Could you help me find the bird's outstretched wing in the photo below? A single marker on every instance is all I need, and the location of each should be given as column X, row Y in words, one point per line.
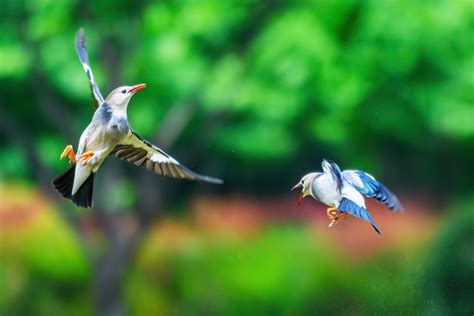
column 139, row 151
column 368, row 185
column 332, row 169
column 82, row 52
column 348, row 206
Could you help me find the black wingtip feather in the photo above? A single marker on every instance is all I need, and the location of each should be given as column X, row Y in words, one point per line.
column 389, row 199
column 199, row 177
column 63, row 183
column 210, row 180
column 83, row 196
column 376, row 229
column 348, row 206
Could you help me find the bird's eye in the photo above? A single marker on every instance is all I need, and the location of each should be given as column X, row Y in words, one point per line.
column 302, row 182
column 124, row 91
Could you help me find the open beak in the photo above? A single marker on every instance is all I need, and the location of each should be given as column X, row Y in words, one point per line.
column 137, row 87
column 298, row 186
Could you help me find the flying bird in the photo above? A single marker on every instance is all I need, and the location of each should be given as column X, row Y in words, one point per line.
column 344, row 192
column 109, row 133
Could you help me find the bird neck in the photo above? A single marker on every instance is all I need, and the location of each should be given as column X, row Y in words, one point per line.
column 119, row 110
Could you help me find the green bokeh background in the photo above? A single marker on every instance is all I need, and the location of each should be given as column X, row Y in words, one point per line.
column 257, row 93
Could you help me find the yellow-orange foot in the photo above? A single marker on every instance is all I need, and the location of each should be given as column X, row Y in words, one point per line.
column 86, row 157
column 334, row 216
column 69, row 151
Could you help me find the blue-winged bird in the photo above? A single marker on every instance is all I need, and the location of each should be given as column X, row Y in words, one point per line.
column 109, row 133
column 343, row 192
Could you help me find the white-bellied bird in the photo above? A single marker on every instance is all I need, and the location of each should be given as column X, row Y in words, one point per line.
column 109, row 133
column 344, row 192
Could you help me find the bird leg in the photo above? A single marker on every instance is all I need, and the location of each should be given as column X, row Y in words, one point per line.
column 334, row 215
column 86, row 157
column 69, row 151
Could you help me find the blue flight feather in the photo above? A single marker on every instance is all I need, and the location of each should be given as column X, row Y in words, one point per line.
column 372, row 188
column 348, row 206
column 336, row 169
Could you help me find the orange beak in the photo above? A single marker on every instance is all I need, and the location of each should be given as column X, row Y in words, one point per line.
column 298, row 186
column 137, row 87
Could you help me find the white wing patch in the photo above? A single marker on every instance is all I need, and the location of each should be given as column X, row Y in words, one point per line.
column 352, row 177
column 349, row 192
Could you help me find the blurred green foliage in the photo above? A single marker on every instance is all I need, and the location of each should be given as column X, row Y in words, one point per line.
column 281, row 270
column 448, row 281
column 386, row 86
column 43, row 270
column 368, row 83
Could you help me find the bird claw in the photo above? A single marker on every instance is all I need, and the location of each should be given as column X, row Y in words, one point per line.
column 334, row 216
column 86, row 157
column 69, row 151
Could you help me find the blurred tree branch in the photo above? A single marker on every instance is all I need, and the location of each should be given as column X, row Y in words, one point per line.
column 174, row 122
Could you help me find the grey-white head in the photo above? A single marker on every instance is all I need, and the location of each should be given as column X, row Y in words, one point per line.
column 120, row 96
column 305, row 185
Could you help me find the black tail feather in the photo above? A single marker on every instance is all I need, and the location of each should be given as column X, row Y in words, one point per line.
column 83, row 196
column 63, row 183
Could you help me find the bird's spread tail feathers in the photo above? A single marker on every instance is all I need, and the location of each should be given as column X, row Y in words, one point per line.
column 63, row 184
column 83, row 196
